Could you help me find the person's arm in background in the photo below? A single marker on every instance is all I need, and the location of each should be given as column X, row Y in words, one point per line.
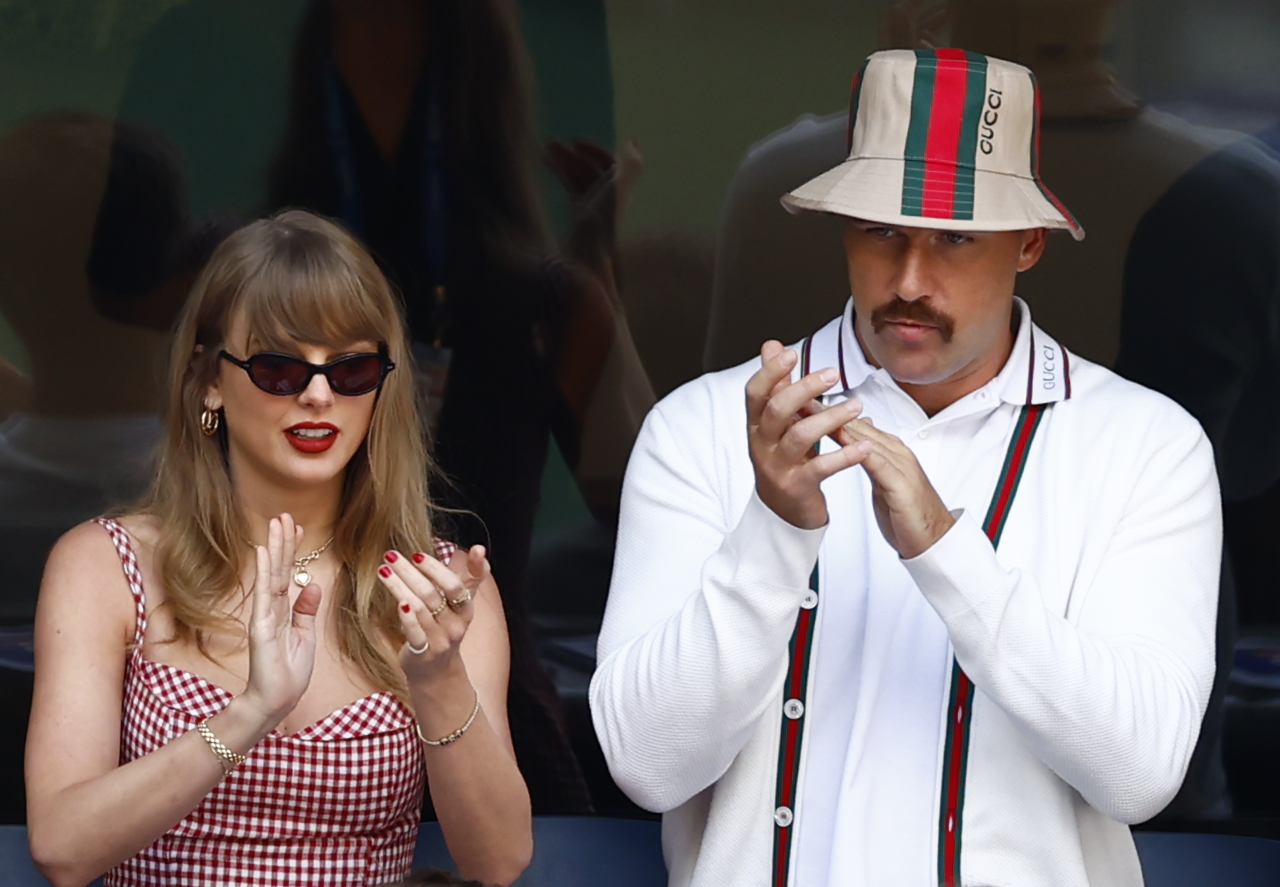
column 1201, row 312
column 597, row 370
column 776, row 274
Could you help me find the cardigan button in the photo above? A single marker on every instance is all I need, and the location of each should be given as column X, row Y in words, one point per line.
column 809, row 601
column 782, row 816
column 793, row 708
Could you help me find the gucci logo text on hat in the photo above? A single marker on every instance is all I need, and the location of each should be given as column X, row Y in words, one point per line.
column 989, row 117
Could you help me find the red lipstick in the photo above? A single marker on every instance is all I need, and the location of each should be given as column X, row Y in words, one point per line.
column 311, row 437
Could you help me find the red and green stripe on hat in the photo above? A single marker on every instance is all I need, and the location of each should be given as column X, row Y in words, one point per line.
column 947, row 99
column 940, row 134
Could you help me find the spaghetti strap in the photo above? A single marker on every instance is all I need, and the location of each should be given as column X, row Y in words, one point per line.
column 129, row 563
column 445, row 550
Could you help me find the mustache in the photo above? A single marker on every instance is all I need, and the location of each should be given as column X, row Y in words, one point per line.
column 918, row 311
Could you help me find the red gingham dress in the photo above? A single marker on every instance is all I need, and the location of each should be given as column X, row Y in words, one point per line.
column 337, row 803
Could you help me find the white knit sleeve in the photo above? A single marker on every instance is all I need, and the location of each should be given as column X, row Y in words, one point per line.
column 1112, row 698
column 701, row 607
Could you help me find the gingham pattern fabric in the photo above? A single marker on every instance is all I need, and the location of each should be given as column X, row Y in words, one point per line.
column 941, row 134
column 337, row 803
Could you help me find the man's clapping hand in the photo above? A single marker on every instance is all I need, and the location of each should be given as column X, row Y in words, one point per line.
column 908, row 509
column 784, row 424
column 785, row 421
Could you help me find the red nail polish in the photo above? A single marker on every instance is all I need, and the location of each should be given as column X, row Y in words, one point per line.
column 384, row 572
column 419, row 557
column 391, row 557
column 404, row 608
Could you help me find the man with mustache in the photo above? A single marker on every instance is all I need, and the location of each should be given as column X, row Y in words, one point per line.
column 935, row 604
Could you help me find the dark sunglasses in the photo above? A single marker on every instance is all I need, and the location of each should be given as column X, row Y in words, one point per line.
column 285, row 374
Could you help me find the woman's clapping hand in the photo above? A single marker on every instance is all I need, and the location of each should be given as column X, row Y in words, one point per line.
column 282, row 635
column 436, row 606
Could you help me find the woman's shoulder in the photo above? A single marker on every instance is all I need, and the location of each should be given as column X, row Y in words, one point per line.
column 88, row 541
column 96, row 545
column 94, row 539
column 84, row 578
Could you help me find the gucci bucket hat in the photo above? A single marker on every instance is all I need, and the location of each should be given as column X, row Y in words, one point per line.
column 941, row 138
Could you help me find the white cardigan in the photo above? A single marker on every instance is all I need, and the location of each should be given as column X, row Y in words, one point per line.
column 1089, row 635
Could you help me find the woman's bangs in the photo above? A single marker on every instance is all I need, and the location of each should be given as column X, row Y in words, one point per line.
column 285, row 306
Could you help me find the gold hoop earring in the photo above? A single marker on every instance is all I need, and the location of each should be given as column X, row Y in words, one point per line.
column 209, row 421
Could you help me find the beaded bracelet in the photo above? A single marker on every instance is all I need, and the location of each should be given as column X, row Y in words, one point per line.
column 225, row 755
column 456, row 734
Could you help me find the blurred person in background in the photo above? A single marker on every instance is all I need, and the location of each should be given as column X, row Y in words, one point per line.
column 223, row 79
column 290, row 652
column 411, row 121
column 83, row 439
column 95, row 261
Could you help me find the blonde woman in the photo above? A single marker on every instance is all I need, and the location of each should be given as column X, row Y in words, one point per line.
column 288, row 653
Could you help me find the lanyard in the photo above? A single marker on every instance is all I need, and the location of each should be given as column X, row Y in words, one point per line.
column 435, row 195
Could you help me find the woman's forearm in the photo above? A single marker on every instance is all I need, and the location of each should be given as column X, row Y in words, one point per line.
column 82, row 830
column 479, row 795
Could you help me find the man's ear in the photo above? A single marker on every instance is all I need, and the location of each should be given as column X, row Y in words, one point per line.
column 1033, row 244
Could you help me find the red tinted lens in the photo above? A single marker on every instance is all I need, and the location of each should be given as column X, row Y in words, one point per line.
column 357, row 374
column 279, row 373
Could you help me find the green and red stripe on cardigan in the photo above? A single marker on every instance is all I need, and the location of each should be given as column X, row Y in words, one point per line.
column 960, row 703
column 796, row 687
column 960, row 706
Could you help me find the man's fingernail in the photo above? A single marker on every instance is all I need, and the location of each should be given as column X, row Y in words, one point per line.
column 829, row 375
column 391, row 557
column 853, row 405
column 419, row 557
column 384, row 572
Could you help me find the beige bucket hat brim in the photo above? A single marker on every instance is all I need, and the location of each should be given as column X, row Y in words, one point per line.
column 941, row 138
column 870, row 188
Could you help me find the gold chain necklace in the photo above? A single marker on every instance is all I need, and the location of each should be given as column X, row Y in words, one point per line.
column 301, row 576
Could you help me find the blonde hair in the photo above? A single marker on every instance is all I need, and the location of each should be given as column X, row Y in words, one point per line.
column 293, row 278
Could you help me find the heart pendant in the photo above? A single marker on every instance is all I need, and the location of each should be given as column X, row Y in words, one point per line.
column 302, row 578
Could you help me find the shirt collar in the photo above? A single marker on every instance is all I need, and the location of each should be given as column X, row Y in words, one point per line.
column 1038, row 369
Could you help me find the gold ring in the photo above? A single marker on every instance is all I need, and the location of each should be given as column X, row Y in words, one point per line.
column 438, row 610
column 461, row 601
